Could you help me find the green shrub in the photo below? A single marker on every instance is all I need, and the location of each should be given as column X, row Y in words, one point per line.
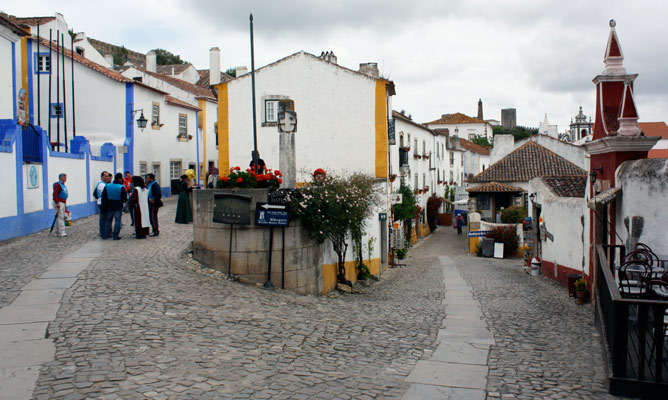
column 513, row 215
column 401, row 253
column 364, row 272
column 507, row 236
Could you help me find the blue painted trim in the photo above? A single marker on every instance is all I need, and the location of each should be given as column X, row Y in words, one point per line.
column 46, row 148
column 197, row 145
column 14, row 92
column 128, row 161
column 36, row 71
column 8, row 135
column 25, row 224
column 31, row 108
column 52, row 108
column 88, row 191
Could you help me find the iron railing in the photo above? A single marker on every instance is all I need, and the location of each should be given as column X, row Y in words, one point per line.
column 633, row 334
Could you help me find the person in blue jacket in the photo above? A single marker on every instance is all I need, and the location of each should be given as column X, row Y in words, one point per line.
column 154, row 202
column 114, row 196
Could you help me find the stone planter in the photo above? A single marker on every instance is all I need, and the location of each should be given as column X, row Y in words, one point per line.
column 250, row 246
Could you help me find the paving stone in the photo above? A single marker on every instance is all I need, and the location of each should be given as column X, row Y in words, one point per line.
column 430, row 392
column 449, row 374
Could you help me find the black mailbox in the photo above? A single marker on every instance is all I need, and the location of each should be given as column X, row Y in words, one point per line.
column 232, row 209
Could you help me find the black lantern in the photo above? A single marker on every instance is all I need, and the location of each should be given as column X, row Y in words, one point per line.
column 141, row 121
column 592, row 176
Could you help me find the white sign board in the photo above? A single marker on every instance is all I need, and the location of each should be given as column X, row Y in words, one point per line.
column 398, row 237
column 498, row 250
column 396, row 198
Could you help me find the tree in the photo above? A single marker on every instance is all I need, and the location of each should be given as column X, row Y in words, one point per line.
column 164, row 57
column 406, row 210
column 120, row 55
column 231, row 72
column 481, row 141
column 336, row 208
column 519, row 132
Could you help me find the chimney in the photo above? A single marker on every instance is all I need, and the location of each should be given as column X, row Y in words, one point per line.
column 480, row 109
column 241, row 71
column 214, row 66
column 110, row 59
column 329, row 56
column 369, row 69
column 151, row 61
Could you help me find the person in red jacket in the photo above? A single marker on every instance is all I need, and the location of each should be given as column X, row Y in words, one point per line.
column 60, row 203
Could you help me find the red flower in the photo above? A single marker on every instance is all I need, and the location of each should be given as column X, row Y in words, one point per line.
column 278, row 173
column 259, row 178
column 237, row 168
column 225, row 178
column 239, row 180
column 280, row 180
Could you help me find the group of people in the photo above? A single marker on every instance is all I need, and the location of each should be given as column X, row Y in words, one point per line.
column 143, row 198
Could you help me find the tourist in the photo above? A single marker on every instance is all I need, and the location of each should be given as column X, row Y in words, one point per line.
column 113, row 198
column 139, row 207
column 184, row 213
column 154, row 202
column 261, row 167
column 60, row 204
column 105, row 177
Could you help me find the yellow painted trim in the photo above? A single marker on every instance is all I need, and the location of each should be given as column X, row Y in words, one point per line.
column 201, row 103
column 223, row 130
column 329, row 272
column 24, row 72
column 381, row 129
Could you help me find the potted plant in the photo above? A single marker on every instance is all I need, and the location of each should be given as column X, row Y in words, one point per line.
column 401, row 253
column 407, row 148
column 581, row 291
column 393, row 177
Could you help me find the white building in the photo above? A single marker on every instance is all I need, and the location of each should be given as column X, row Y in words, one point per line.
column 462, row 125
column 544, row 128
column 342, row 125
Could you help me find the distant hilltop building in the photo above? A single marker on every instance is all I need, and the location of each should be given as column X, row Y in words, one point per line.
column 508, row 118
column 544, row 128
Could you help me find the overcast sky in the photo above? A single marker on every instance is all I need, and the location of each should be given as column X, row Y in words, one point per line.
column 538, row 56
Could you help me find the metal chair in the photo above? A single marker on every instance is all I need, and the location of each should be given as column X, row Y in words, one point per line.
column 634, row 277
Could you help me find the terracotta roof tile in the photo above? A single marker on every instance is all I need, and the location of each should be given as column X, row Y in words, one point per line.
column 204, row 78
column 476, row 148
column 186, row 86
column 176, row 102
column 567, row 186
column 654, row 129
column 31, row 21
column 456, row 118
column 526, row 162
column 660, row 153
column 495, row 187
column 13, row 26
column 402, row 117
column 177, row 68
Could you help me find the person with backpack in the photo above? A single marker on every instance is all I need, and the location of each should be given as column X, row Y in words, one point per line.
column 113, row 198
column 105, row 178
column 60, row 195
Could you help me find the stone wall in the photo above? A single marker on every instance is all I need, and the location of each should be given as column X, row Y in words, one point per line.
column 250, row 246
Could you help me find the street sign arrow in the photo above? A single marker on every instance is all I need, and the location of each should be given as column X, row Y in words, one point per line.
column 272, row 206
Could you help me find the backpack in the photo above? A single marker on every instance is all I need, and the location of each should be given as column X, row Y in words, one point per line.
column 95, row 194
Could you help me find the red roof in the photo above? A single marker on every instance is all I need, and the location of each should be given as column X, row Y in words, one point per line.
column 198, row 91
column 31, row 21
column 495, row 187
column 528, row 161
column 456, row 118
column 654, row 129
column 476, row 148
column 180, row 103
column 13, row 26
column 661, row 153
column 567, row 186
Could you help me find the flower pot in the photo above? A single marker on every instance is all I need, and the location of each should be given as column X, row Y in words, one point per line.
column 581, row 297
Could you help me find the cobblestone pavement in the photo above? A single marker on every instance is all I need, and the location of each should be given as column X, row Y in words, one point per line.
column 546, row 345
column 146, row 321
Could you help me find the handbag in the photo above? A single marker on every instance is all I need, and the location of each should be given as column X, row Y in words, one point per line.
column 68, row 218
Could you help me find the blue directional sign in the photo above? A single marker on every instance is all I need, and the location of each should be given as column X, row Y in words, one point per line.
column 271, row 215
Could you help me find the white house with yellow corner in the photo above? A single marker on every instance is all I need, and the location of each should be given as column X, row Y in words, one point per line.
column 342, row 126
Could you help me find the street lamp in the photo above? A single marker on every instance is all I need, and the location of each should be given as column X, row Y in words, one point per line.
column 141, row 121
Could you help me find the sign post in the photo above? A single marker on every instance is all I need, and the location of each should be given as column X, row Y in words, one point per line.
column 272, row 215
column 231, row 209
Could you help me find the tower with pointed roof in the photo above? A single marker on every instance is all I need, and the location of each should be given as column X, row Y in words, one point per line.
column 580, row 127
column 480, row 110
column 617, row 137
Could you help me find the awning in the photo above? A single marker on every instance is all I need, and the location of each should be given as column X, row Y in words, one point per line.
column 604, row 197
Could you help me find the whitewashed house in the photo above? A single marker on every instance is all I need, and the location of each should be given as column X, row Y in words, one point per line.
column 462, row 125
column 342, row 126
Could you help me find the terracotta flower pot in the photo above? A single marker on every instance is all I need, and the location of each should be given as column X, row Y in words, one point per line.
column 581, row 297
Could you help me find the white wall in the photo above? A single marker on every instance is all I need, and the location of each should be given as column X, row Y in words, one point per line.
column 32, row 198
column 563, row 219
column 466, row 130
column 644, row 186
column 76, row 179
column 335, row 112
column 7, row 94
column 8, row 198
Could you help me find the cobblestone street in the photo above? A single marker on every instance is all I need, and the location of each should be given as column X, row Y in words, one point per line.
column 146, row 321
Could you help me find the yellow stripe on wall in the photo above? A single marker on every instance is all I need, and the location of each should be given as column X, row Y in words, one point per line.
column 223, row 131
column 201, row 103
column 24, row 72
column 381, row 129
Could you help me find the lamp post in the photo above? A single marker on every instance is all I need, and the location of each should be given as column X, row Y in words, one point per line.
column 141, row 121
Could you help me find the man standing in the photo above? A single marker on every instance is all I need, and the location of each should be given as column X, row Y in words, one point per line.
column 60, row 203
column 105, row 177
column 127, row 182
column 154, row 202
column 113, row 198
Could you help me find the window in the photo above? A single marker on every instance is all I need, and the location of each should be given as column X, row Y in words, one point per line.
column 424, row 180
column 416, row 181
column 183, row 125
column 424, row 148
column 437, row 150
column 142, row 168
column 155, row 115
column 42, row 63
column 471, row 136
column 156, row 171
column 415, row 148
column 452, row 176
column 80, row 51
column 452, row 159
column 273, row 106
column 174, row 169
column 56, row 110
column 462, row 160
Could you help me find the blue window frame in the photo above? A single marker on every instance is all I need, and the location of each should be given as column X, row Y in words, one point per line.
column 55, row 109
column 42, row 63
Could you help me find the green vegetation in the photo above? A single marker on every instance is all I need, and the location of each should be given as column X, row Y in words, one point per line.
column 120, row 55
column 406, row 210
column 231, row 72
column 519, row 132
column 513, row 215
column 482, row 141
column 164, row 57
column 507, row 236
